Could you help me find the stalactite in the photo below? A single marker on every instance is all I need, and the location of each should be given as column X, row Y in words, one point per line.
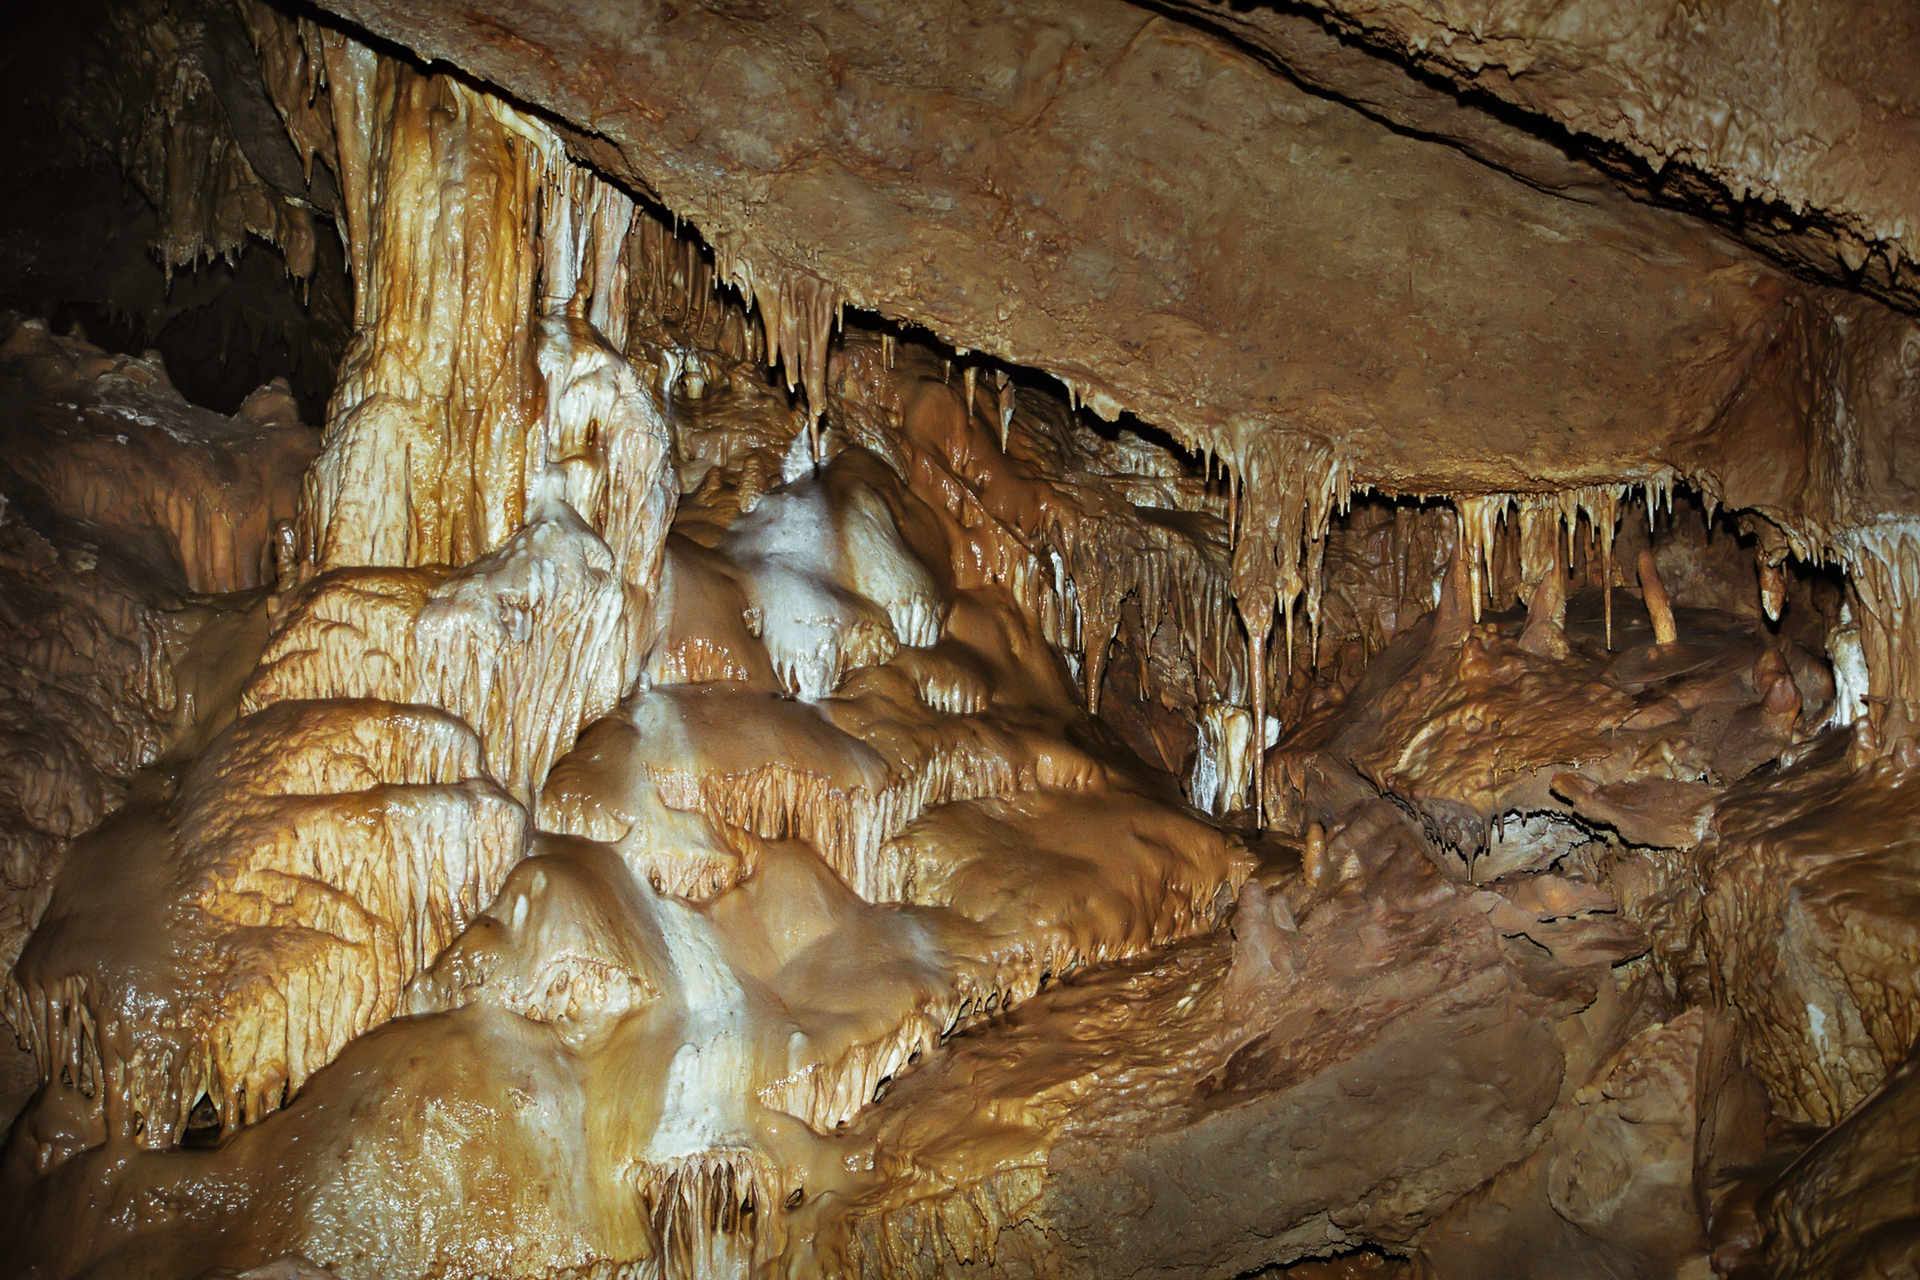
column 584, row 231
column 686, row 861
column 186, row 155
column 1295, row 484
column 798, row 313
column 1105, row 562
column 426, row 448
column 1233, row 507
column 675, row 297
column 1536, row 518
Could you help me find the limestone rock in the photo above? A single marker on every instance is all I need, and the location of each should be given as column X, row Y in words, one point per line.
column 1807, row 931
column 1613, row 1190
column 1847, row 1207
column 1803, row 113
column 1119, row 305
column 227, row 940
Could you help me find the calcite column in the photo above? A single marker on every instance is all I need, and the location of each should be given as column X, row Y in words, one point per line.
column 426, row 451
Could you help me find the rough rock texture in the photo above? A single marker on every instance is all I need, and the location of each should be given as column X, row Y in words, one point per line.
column 1849, row 1206
column 1611, row 1190
column 1798, row 123
column 1213, row 298
column 1120, row 1151
column 118, row 502
column 1807, row 930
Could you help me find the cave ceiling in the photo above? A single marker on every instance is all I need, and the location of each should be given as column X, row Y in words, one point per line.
column 1795, row 123
column 1074, row 187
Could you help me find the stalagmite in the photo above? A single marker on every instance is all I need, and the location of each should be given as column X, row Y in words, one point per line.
column 1883, row 560
column 1773, row 589
column 1547, row 606
column 1224, row 762
column 326, row 852
column 527, row 645
column 797, row 547
column 1654, row 593
column 798, row 312
column 1005, row 402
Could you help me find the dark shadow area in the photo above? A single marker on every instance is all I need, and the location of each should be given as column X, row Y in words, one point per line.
column 79, row 235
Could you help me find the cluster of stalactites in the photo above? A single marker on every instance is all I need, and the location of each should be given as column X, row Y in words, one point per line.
column 184, row 153
column 1290, row 485
column 584, row 232
column 1287, row 488
column 1098, row 567
column 1095, row 563
column 798, row 315
column 1082, row 560
column 1544, row 528
column 673, row 284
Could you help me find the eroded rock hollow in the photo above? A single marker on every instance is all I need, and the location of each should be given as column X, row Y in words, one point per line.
column 1072, row 639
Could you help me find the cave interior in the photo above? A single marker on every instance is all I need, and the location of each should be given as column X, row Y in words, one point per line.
column 738, row 639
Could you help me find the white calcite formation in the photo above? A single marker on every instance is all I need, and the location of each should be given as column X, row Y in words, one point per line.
column 829, row 585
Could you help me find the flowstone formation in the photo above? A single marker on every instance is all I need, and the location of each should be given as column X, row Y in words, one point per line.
column 1058, row 640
